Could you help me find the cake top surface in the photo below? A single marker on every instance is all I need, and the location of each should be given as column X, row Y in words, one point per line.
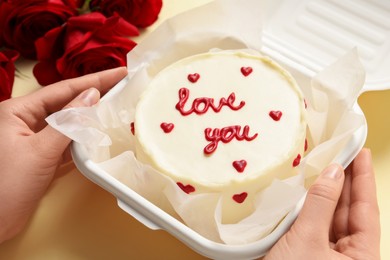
column 219, row 118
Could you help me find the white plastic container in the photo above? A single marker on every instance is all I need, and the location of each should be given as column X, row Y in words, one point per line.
column 304, row 36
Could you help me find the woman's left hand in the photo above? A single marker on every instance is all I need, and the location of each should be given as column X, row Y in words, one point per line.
column 31, row 150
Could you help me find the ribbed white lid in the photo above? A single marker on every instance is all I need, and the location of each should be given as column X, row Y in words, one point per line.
column 314, row 33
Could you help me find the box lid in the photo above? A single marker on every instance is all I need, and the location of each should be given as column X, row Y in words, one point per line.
column 311, row 34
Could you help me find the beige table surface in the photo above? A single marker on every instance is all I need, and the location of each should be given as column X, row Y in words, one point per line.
column 79, row 220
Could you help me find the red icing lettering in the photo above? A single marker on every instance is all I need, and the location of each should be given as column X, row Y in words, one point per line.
column 246, row 71
column 202, row 105
column 239, row 165
column 193, row 77
column 132, row 128
column 240, row 198
column 297, row 161
column 275, row 115
column 225, row 135
column 167, row 127
column 186, row 188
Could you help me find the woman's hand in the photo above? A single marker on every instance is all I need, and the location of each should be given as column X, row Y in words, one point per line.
column 31, row 150
column 340, row 217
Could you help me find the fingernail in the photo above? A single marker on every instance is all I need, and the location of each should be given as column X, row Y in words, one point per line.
column 333, row 171
column 368, row 150
column 89, row 97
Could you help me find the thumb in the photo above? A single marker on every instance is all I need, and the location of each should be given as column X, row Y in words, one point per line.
column 317, row 213
column 86, row 98
column 54, row 141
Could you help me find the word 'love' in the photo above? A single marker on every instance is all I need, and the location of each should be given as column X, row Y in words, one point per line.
column 201, row 105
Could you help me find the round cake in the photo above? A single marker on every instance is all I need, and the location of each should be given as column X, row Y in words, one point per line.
column 225, row 122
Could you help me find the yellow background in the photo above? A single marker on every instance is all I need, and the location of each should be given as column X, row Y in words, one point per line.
column 79, row 220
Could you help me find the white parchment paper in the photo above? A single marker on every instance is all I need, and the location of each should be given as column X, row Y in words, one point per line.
column 104, row 130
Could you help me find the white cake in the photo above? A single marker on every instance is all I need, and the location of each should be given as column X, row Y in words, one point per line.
column 225, row 122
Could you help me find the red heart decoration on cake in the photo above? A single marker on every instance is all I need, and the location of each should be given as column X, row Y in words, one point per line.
column 186, row 188
column 167, row 127
column 239, row 165
column 193, row 77
column 246, row 71
column 275, row 115
column 297, row 160
column 239, row 198
column 132, row 128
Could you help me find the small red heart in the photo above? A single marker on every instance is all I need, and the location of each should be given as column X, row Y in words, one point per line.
column 239, row 165
column 132, row 128
column 246, row 71
column 239, row 198
column 275, row 115
column 297, row 161
column 186, row 188
column 193, row 77
column 167, row 127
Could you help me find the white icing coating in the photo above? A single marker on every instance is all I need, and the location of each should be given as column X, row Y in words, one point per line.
column 269, row 149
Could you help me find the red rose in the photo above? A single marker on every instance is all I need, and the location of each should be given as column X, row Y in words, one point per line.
column 79, row 3
column 7, row 73
column 85, row 44
column 23, row 22
column 141, row 13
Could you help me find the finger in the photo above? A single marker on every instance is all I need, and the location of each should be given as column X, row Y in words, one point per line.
column 364, row 216
column 67, row 155
column 57, row 95
column 52, row 98
column 341, row 215
column 87, row 98
column 316, row 215
column 55, row 143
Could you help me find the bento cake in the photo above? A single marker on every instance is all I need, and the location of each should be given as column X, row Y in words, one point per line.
column 223, row 122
